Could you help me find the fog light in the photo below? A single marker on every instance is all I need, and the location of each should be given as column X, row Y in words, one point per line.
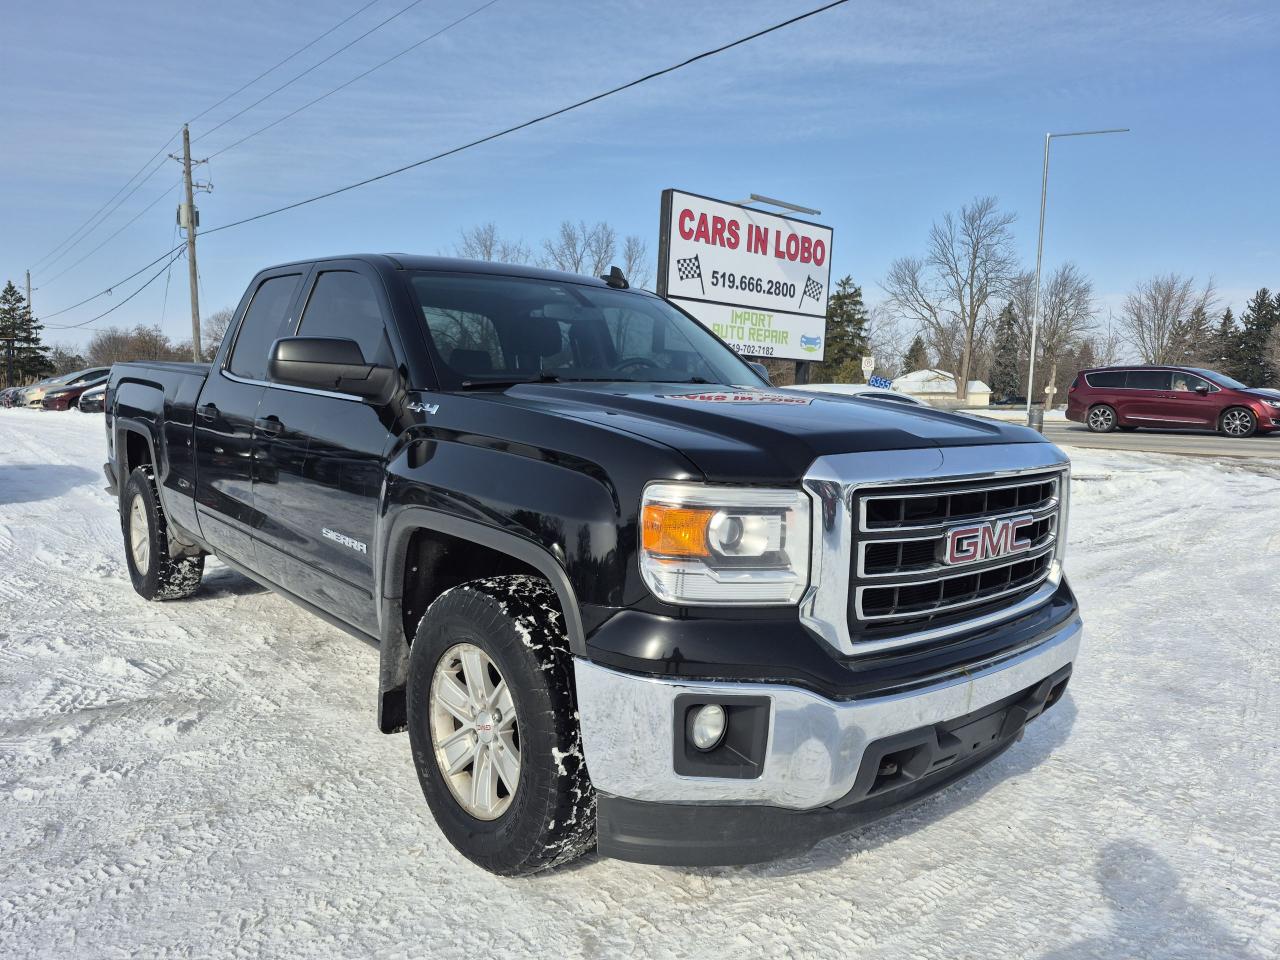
column 709, row 723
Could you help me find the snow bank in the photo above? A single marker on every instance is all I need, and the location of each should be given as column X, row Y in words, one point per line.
column 204, row 779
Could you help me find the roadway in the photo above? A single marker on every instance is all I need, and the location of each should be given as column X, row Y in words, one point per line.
column 1190, row 443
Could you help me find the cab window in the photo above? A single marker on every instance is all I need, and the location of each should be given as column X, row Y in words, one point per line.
column 344, row 304
column 262, row 325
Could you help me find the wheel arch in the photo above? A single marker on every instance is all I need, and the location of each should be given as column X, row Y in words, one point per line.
column 408, row 531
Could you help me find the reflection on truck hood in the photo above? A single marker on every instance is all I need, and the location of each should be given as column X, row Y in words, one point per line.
column 759, row 435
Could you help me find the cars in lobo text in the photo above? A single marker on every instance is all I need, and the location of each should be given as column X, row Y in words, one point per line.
column 627, row 595
column 1126, row 398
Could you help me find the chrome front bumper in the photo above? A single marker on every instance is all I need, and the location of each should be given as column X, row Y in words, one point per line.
column 815, row 746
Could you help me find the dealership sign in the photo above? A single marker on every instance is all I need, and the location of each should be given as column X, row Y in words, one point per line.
column 759, row 280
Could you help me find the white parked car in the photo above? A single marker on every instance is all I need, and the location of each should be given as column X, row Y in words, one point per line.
column 862, row 390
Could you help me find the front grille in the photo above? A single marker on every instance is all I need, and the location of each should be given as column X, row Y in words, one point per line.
column 900, row 580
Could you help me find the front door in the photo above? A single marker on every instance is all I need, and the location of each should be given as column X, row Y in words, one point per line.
column 224, row 421
column 1183, row 403
column 324, row 458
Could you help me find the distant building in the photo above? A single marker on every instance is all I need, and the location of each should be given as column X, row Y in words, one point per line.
column 938, row 389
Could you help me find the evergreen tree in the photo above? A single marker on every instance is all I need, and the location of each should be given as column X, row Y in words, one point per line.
column 1196, row 337
column 1260, row 317
column 23, row 356
column 846, row 335
column 1006, row 363
column 1226, row 345
column 917, row 356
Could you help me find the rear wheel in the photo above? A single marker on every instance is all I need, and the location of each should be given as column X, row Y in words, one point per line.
column 156, row 574
column 493, row 724
column 1102, row 418
column 1238, row 422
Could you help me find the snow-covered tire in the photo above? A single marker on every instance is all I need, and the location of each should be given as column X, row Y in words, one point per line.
column 1101, row 418
column 1237, row 423
column 515, row 625
column 155, row 574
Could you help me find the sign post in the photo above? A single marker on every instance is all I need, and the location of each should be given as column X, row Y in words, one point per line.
column 868, row 365
column 758, row 280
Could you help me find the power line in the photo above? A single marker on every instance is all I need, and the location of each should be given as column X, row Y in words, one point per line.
column 151, row 280
column 136, row 217
column 475, row 143
column 94, row 215
column 318, row 63
column 277, row 66
column 359, row 76
column 539, row 119
column 110, row 289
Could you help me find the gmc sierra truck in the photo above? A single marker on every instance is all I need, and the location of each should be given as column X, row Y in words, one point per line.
column 627, row 595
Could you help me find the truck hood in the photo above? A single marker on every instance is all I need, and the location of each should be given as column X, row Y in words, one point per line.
column 749, row 435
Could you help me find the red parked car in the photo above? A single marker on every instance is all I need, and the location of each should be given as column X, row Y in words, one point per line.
column 66, row 397
column 1126, row 398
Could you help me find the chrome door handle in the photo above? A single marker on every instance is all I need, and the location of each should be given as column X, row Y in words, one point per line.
column 271, row 426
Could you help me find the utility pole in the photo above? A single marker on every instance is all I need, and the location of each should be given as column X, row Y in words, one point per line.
column 30, row 309
column 191, row 244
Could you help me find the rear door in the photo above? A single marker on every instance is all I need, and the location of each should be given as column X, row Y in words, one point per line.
column 323, row 456
column 1144, row 396
column 225, row 414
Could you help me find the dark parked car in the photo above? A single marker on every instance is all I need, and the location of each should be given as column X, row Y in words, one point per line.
column 94, row 399
column 626, row 594
column 9, row 396
column 66, row 397
column 1127, row 398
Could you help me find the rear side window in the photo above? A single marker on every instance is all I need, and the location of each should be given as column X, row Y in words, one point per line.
column 1106, row 378
column 343, row 304
column 1147, row 379
column 263, row 324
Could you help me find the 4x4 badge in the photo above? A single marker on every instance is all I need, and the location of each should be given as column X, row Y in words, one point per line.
column 430, row 409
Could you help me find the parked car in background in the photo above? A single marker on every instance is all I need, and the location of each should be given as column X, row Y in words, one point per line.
column 862, row 390
column 1126, row 398
column 9, row 396
column 94, row 399
column 65, row 397
column 33, row 396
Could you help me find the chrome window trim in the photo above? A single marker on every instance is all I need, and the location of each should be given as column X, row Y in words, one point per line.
column 292, row 389
column 833, row 482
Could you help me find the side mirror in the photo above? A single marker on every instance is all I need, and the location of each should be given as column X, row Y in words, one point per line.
column 761, row 369
column 328, row 363
column 1202, row 389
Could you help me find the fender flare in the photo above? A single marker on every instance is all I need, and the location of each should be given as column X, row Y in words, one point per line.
column 124, row 426
column 393, row 660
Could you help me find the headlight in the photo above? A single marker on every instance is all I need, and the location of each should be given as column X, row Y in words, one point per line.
column 1272, row 403
column 724, row 545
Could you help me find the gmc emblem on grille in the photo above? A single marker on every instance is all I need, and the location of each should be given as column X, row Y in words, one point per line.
column 986, row 541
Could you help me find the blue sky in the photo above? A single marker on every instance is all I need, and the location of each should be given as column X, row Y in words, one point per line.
column 883, row 115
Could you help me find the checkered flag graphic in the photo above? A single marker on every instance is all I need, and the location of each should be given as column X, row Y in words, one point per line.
column 690, row 268
column 812, row 288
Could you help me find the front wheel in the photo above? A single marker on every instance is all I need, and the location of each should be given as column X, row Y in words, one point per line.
column 1238, row 422
column 1102, row 419
column 156, row 574
column 493, row 725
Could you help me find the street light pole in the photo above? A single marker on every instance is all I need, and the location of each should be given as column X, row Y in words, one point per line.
column 1044, row 193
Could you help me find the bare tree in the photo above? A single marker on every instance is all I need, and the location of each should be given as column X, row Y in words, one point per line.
column 1067, row 312
column 115, row 345
column 580, row 248
column 483, row 242
column 1158, row 313
column 887, row 339
column 635, row 261
column 948, row 293
column 213, row 328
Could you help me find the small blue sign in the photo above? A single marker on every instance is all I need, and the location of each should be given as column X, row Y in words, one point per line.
column 880, row 382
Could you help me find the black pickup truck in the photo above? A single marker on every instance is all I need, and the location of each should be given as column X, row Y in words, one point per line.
column 627, row 594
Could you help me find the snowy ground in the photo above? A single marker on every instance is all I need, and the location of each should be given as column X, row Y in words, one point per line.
column 203, row 778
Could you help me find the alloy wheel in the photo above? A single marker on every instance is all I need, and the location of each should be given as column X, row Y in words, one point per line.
column 139, row 534
column 1237, row 423
column 1101, row 419
column 474, row 731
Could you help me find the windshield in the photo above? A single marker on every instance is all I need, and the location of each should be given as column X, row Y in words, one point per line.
column 496, row 329
column 1221, row 379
